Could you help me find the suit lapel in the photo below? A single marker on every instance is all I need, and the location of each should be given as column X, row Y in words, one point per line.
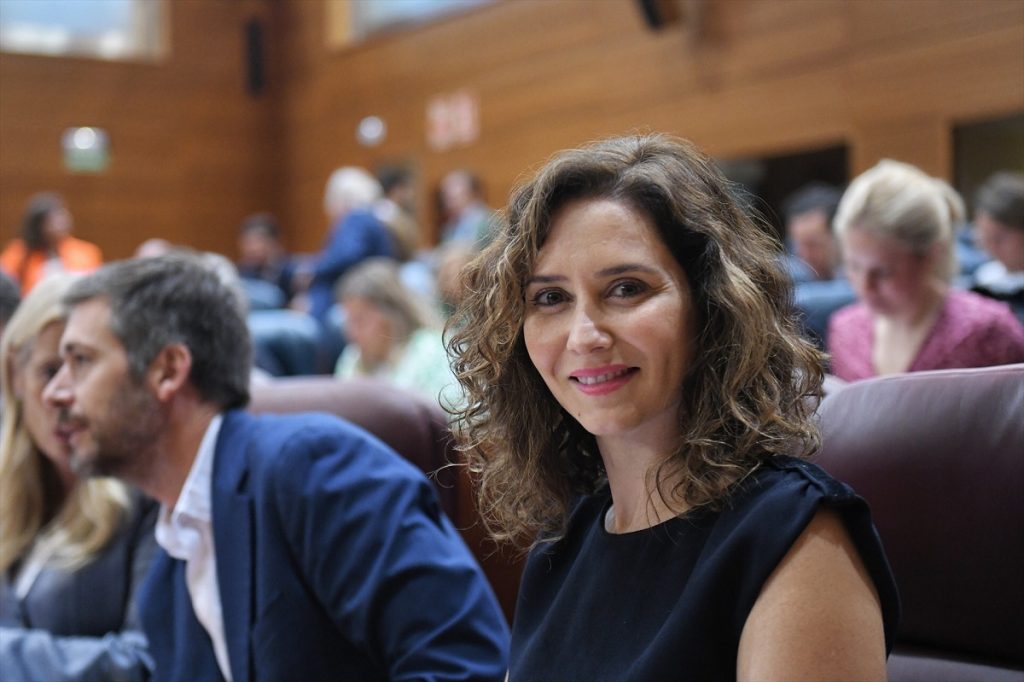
column 177, row 642
column 233, row 539
column 156, row 601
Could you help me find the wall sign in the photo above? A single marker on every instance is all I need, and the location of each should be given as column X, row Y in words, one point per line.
column 453, row 120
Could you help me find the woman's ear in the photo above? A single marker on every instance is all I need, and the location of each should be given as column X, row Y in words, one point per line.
column 170, row 370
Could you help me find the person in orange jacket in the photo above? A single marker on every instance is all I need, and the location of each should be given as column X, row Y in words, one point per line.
column 46, row 244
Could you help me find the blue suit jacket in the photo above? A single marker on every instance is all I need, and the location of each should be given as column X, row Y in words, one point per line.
column 356, row 237
column 334, row 562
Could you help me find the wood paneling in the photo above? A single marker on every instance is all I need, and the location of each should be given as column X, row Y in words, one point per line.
column 888, row 78
column 193, row 153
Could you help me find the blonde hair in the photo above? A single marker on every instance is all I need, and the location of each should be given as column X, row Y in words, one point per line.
column 903, row 202
column 377, row 281
column 73, row 529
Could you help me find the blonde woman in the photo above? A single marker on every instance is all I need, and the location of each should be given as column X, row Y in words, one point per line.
column 72, row 552
column 393, row 334
column 896, row 227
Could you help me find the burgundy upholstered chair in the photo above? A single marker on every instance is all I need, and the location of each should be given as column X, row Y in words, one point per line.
column 940, row 458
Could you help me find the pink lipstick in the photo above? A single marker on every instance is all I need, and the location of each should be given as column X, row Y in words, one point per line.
column 602, row 380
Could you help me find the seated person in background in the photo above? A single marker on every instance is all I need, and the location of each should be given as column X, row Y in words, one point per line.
column 821, row 287
column 809, row 213
column 285, row 342
column 999, row 223
column 636, row 386
column 355, row 235
column 72, row 552
column 896, row 227
column 46, row 245
column 467, row 218
column 395, row 210
column 263, row 265
column 392, row 333
column 292, row 547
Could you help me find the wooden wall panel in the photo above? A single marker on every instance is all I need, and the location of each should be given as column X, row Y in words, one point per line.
column 887, row 77
column 927, row 141
column 191, row 151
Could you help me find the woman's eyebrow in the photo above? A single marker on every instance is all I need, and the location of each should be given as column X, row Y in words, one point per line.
column 605, row 272
column 545, row 279
column 627, row 267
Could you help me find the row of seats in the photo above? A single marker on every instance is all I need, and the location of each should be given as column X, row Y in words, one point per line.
column 938, row 455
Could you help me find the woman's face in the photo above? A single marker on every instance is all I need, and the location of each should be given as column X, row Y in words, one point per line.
column 609, row 321
column 57, row 225
column 28, row 381
column 886, row 274
column 367, row 326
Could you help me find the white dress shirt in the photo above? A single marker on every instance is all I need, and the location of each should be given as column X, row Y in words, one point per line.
column 187, row 534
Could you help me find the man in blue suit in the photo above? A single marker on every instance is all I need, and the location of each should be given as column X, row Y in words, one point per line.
column 293, row 547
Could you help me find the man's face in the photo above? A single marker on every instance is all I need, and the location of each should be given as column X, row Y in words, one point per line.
column 111, row 420
column 1001, row 241
column 256, row 248
column 456, row 194
column 813, row 242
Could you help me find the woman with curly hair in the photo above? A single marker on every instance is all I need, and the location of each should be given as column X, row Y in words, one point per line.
column 72, row 552
column 637, row 400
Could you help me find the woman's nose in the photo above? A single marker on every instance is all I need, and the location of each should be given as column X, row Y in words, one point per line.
column 587, row 333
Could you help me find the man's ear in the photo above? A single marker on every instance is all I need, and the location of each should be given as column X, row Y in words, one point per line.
column 170, row 370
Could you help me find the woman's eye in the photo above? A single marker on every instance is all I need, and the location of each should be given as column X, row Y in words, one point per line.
column 628, row 289
column 548, row 297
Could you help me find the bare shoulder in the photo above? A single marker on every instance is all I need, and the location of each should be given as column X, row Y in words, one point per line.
column 818, row 616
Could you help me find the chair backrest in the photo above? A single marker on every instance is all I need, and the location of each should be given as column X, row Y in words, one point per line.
column 414, row 428
column 940, row 458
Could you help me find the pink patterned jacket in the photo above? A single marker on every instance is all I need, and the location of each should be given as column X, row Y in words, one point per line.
column 971, row 331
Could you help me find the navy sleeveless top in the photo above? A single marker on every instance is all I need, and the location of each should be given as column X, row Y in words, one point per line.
column 670, row 602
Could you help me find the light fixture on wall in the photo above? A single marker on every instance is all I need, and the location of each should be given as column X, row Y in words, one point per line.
column 86, row 149
column 371, row 131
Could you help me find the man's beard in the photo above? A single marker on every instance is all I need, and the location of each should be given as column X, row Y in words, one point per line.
column 125, row 443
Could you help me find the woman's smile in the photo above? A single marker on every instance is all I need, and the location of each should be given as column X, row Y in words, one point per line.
column 603, row 380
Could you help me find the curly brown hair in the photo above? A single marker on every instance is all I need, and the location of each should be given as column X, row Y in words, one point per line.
column 747, row 396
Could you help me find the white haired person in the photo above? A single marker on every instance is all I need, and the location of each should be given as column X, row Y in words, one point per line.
column 896, row 227
column 72, row 552
column 356, row 233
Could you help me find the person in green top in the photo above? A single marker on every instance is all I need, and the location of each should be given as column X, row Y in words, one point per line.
column 393, row 334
